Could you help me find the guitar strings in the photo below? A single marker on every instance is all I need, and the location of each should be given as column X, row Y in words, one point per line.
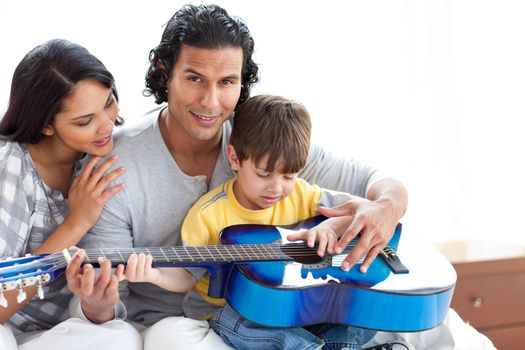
column 216, row 253
column 182, row 254
column 220, row 253
column 206, row 251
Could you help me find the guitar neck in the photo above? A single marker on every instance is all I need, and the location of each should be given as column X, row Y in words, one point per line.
column 190, row 255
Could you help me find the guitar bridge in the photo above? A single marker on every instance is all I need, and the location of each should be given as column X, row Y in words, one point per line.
column 392, row 260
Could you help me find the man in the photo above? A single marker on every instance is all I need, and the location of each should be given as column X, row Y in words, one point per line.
column 203, row 69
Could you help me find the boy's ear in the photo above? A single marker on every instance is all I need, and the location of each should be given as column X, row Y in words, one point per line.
column 48, row 130
column 232, row 158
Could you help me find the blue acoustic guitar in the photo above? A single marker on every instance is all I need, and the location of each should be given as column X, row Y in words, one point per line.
column 277, row 283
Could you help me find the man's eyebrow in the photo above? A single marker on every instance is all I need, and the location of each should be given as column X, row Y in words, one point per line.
column 233, row 77
column 193, row 71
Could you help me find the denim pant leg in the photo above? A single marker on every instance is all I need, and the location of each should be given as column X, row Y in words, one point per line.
column 241, row 334
column 337, row 337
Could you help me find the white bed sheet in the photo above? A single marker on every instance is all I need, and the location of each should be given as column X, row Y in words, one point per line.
column 452, row 334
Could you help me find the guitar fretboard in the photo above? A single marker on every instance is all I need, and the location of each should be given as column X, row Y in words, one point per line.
column 190, row 255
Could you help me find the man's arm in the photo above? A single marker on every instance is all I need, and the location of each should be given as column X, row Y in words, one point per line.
column 331, row 172
column 374, row 218
column 376, row 205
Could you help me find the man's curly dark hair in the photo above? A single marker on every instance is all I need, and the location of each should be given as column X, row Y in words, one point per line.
column 206, row 27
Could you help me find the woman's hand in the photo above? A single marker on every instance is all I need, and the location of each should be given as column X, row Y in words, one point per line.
column 89, row 192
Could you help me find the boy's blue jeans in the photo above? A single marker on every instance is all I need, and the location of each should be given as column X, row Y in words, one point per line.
column 240, row 333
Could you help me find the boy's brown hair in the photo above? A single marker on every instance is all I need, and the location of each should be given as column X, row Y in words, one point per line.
column 272, row 126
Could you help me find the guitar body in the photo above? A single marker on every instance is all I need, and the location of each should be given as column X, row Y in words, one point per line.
column 289, row 294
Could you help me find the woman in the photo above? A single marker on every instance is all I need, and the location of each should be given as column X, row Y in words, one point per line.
column 63, row 105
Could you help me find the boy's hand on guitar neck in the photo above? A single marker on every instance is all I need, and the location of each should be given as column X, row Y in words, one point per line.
column 139, row 269
column 325, row 234
column 98, row 294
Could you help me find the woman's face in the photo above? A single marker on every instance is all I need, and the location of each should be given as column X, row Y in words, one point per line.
column 86, row 120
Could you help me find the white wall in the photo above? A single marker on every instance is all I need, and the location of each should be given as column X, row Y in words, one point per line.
column 431, row 91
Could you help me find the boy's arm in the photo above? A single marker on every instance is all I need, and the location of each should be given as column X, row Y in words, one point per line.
column 176, row 279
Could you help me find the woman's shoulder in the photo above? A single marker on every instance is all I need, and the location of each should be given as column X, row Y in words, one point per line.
column 16, row 167
column 12, row 152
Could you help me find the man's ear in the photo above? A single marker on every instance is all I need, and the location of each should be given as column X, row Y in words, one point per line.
column 48, row 130
column 232, row 158
column 159, row 64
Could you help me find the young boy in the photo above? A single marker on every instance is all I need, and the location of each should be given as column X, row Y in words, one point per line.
column 268, row 146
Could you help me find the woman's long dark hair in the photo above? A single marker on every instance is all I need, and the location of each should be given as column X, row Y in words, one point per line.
column 42, row 81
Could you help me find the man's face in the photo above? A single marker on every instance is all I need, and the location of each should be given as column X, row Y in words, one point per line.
column 204, row 89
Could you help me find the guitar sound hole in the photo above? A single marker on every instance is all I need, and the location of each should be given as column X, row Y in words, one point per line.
column 309, row 260
column 303, row 255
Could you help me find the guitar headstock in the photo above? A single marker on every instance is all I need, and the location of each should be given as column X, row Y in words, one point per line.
column 23, row 272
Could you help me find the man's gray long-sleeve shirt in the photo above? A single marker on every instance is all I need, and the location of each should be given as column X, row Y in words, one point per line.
column 149, row 212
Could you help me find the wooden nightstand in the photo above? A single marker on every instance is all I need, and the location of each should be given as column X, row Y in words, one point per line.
column 490, row 290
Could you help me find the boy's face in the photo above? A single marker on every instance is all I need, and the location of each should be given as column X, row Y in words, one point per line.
column 257, row 188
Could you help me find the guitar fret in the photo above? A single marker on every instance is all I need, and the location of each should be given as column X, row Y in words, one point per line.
column 177, row 254
column 198, row 252
column 87, row 258
column 266, row 252
column 212, row 256
column 227, row 251
column 221, row 255
column 246, row 254
column 188, row 253
column 269, row 253
column 120, row 255
column 165, row 256
column 278, row 253
column 102, row 253
column 263, row 249
column 250, row 252
column 256, row 251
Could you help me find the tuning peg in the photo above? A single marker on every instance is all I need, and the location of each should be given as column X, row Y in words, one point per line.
column 21, row 294
column 3, row 300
